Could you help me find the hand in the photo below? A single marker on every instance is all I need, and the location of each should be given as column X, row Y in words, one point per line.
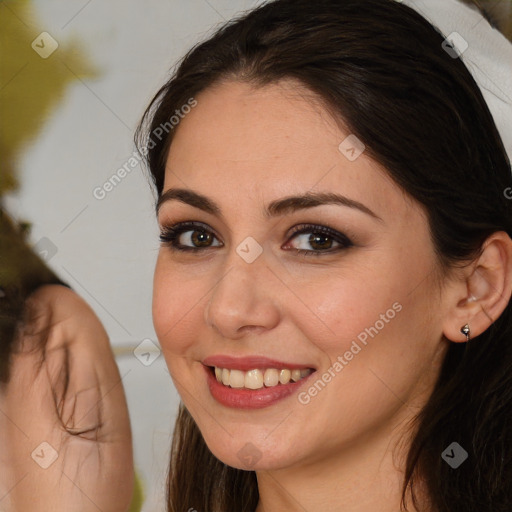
column 65, row 437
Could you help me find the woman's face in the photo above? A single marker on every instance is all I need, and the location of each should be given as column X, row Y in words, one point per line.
column 358, row 305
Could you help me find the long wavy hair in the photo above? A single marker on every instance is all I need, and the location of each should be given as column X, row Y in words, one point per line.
column 379, row 67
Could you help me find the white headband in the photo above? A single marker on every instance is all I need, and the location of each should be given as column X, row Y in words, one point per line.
column 485, row 51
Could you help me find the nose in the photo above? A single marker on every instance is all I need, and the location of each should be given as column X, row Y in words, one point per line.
column 244, row 300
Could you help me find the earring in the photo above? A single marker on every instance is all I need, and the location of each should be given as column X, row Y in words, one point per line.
column 466, row 331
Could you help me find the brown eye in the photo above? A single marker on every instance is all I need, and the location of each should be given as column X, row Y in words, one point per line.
column 199, row 238
column 188, row 236
column 319, row 239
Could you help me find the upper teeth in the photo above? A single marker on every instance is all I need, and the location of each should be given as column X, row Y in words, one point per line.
column 255, row 379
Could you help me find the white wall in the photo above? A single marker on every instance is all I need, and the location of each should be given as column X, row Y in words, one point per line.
column 106, row 248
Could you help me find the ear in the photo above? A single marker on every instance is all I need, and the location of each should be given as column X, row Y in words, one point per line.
column 483, row 291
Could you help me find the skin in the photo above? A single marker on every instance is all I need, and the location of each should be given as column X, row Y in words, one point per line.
column 91, row 435
column 342, row 450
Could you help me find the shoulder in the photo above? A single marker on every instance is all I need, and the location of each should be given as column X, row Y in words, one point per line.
column 62, row 300
column 66, row 318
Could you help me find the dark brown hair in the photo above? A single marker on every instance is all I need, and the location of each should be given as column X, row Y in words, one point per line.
column 379, row 67
column 22, row 271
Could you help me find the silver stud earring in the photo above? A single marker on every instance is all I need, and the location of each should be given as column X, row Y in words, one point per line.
column 466, row 331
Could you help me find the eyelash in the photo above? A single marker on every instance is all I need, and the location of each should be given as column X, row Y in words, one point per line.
column 170, row 234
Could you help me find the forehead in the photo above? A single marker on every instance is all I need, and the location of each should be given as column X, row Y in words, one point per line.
column 268, row 142
column 236, row 122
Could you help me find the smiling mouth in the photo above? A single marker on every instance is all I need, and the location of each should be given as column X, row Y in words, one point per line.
column 258, row 378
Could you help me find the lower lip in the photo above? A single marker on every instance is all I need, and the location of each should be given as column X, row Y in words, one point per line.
column 241, row 398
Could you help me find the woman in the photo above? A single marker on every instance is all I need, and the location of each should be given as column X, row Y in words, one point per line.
column 332, row 294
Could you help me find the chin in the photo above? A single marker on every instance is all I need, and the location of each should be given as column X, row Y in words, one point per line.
column 240, row 453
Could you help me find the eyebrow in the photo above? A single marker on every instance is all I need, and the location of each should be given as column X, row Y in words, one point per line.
column 274, row 209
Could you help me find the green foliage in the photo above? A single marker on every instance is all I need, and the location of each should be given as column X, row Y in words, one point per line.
column 138, row 496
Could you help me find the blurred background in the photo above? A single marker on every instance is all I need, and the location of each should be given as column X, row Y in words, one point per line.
column 75, row 78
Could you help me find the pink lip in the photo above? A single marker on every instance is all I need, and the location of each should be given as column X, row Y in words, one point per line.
column 250, row 363
column 240, row 398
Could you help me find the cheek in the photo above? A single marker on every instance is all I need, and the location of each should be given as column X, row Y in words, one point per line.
column 176, row 309
column 376, row 315
column 344, row 307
